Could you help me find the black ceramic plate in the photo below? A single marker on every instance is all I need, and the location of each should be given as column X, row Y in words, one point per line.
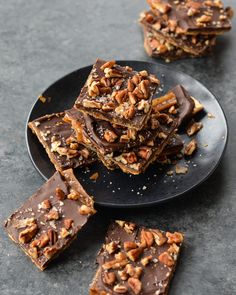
column 117, row 189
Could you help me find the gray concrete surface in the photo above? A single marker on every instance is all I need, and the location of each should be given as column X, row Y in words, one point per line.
column 40, row 41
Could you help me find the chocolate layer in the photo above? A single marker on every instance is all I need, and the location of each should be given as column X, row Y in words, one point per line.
column 59, row 141
column 50, row 220
column 137, row 260
column 118, row 94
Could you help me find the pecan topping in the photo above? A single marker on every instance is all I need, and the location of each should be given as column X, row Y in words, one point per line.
column 68, row 223
column 52, row 237
column 159, row 238
column 130, row 245
column 134, row 253
column 162, row 7
column 73, row 195
column 93, row 89
column 135, row 285
column 132, row 271
column 130, row 85
column 204, row 19
column 129, row 227
column 110, row 135
column 52, row 214
column 166, row 259
column 41, row 242
column 120, row 289
column 111, row 247
column 147, row 238
column 109, row 278
column 91, row 104
column 60, row 194
column 123, row 275
column 64, row 233
column 24, row 222
column 108, row 106
column 146, row 260
column 190, row 148
column 144, row 105
column 119, row 261
column 85, row 210
column 46, row 204
column 108, row 64
column 181, row 169
column 49, row 251
column 129, row 113
column 27, row 235
column 194, row 127
column 173, row 249
column 112, row 73
column 176, row 237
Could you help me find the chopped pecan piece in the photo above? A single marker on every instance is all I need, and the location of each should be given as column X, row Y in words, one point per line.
column 109, row 278
column 129, row 227
column 132, row 271
column 134, row 253
column 147, row 238
column 131, row 157
column 175, row 237
column 166, row 259
column 73, row 195
column 119, row 261
column 60, row 194
column 27, row 235
column 111, row 247
column 194, row 127
column 145, row 153
column 68, row 223
column 129, row 113
column 53, row 214
column 110, row 135
column 146, row 260
column 64, row 233
column 92, row 104
column 135, row 285
column 86, row 210
column 204, row 19
column 46, row 204
column 181, row 169
column 173, row 249
column 159, row 238
column 21, row 223
column 190, row 148
column 41, row 242
column 130, row 245
column 144, row 105
column 123, row 275
column 108, row 64
column 120, row 289
column 52, row 237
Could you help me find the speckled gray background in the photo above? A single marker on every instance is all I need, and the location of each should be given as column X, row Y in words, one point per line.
column 40, row 41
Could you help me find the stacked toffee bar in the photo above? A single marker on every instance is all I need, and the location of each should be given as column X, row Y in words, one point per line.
column 117, row 117
column 183, row 28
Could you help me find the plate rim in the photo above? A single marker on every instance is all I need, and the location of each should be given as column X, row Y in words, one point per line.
column 153, row 203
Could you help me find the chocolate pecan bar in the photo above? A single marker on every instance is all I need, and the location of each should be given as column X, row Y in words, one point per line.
column 193, row 17
column 59, row 141
column 50, row 220
column 118, row 94
column 196, row 45
column 136, row 260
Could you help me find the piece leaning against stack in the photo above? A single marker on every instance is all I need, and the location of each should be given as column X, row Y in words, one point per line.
column 184, row 28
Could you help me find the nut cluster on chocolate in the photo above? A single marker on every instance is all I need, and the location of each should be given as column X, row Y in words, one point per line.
column 183, row 28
